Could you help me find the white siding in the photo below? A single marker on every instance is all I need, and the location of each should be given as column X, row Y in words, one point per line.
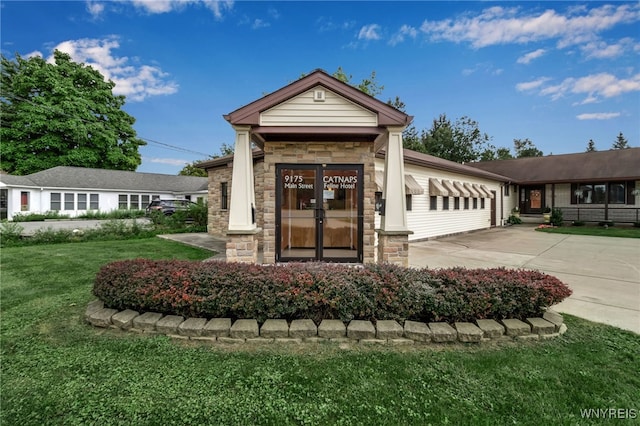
column 426, row 223
column 40, row 200
column 303, row 110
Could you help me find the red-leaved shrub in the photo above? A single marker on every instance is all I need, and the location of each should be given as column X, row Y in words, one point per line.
column 324, row 291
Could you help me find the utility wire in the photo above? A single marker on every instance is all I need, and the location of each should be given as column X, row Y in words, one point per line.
column 162, row 144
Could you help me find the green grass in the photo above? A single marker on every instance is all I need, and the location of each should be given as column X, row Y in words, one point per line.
column 621, row 231
column 58, row 370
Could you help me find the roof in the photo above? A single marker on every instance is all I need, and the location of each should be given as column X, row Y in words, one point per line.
column 249, row 115
column 615, row 164
column 81, row 177
column 430, row 161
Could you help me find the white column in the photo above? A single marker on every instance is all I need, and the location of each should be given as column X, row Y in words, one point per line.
column 393, row 192
column 242, row 185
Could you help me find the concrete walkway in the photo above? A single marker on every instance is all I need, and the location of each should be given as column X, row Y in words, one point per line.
column 604, row 273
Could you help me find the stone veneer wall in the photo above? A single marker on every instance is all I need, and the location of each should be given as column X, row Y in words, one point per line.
column 317, row 153
column 218, row 219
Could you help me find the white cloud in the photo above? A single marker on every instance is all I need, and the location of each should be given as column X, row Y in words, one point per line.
column 528, row 57
column 602, row 50
column 34, row 53
column 598, row 116
column 594, row 86
column 498, row 25
column 531, row 85
column 369, row 32
column 136, row 82
column 165, row 6
column 169, row 161
column 404, row 31
column 259, row 23
column 95, row 8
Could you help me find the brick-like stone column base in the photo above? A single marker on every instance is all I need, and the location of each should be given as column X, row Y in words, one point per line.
column 242, row 246
column 393, row 247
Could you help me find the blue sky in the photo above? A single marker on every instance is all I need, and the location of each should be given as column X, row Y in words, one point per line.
column 558, row 73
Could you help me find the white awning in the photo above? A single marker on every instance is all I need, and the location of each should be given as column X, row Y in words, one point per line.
column 474, row 193
column 436, row 188
column 483, row 190
column 453, row 191
column 410, row 185
column 463, row 191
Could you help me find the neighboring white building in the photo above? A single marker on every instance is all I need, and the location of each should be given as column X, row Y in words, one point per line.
column 73, row 191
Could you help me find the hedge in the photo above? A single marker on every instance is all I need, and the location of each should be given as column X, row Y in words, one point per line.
column 325, row 291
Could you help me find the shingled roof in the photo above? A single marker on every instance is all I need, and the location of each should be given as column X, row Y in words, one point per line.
column 615, row 164
column 88, row 178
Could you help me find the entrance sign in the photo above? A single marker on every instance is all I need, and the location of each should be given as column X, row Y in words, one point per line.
column 319, row 213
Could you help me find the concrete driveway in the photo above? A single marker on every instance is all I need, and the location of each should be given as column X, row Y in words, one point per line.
column 604, row 273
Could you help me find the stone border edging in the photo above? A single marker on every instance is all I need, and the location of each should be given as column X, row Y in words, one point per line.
column 223, row 330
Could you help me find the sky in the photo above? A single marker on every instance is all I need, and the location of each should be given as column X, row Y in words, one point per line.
column 557, row 73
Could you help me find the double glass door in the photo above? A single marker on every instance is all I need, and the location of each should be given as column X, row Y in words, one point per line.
column 319, row 214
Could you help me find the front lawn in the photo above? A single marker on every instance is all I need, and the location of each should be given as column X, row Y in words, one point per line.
column 58, row 370
column 623, row 231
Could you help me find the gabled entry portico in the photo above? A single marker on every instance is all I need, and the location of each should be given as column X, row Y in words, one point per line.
column 319, row 137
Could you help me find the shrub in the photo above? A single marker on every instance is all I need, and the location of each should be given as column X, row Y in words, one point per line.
column 114, row 214
column 322, row 291
column 514, row 220
column 38, row 217
column 636, row 224
column 577, row 223
column 9, row 232
column 556, row 217
column 606, row 223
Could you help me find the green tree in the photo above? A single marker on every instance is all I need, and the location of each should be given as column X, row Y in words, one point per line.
column 368, row 85
column 62, row 114
column 503, row 154
column 461, row 141
column 192, row 169
column 526, row 148
column 591, row 146
column 620, row 142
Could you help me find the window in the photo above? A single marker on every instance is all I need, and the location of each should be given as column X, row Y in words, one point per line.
column 55, row 201
column 82, row 201
column 445, row 203
column 122, row 202
column 145, row 201
column 378, row 201
column 596, row 193
column 408, row 201
column 617, row 193
column 456, row 203
column 69, row 201
column 134, row 203
column 506, row 190
column 466, row 203
column 94, row 203
column 475, row 203
column 224, row 195
column 482, row 203
column 433, row 202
